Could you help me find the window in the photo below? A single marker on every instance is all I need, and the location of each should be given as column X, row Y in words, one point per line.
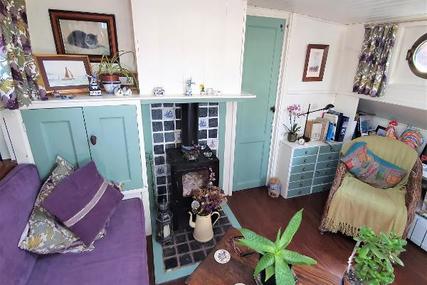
column 417, row 57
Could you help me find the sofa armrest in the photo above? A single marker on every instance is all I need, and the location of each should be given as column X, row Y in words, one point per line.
column 339, row 177
column 413, row 193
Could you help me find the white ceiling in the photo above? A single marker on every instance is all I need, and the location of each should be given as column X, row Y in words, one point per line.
column 351, row 11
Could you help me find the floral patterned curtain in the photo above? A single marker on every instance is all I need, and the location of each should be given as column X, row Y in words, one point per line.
column 371, row 75
column 18, row 71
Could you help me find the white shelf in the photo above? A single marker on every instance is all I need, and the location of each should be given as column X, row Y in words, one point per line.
column 86, row 100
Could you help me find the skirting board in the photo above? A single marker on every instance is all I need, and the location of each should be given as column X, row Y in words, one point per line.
column 143, row 195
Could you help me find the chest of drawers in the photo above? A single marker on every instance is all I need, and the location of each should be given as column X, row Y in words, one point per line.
column 307, row 169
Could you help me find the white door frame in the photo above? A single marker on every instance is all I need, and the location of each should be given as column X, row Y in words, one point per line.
column 280, row 98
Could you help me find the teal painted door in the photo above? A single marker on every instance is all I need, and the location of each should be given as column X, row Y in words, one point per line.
column 116, row 150
column 53, row 132
column 261, row 64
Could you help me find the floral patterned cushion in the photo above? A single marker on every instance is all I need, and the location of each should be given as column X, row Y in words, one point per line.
column 43, row 233
column 370, row 168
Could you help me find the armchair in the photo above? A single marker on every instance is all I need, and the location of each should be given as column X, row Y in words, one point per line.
column 352, row 203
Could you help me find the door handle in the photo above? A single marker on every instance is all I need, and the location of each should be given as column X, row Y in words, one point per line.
column 93, row 139
column 273, row 109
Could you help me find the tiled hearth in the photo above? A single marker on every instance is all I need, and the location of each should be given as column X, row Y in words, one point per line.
column 166, row 127
column 184, row 250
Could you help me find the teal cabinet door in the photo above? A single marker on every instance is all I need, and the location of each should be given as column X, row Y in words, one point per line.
column 261, row 64
column 114, row 143
column 53, row 132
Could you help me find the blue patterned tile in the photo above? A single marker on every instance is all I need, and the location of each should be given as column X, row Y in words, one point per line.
column 203, row 123
column 168, row 114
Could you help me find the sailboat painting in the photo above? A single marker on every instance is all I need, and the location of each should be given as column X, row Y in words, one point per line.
column 64, row 72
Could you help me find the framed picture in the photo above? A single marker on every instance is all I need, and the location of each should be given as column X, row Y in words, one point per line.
column 64, row 73
column 84, row 33
column 315, row 61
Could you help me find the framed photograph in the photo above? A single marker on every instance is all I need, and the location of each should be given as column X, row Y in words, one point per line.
column 64, row 73
column 315, row 61
column 81, row 33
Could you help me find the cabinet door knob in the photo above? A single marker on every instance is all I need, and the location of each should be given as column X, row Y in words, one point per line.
column 93, row 139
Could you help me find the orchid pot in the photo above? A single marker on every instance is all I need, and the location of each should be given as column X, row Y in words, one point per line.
column 292, row 137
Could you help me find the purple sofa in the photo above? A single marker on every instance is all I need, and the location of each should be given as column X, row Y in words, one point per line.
column 119, row 258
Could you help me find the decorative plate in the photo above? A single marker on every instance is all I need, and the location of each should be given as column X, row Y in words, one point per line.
column 222, row 256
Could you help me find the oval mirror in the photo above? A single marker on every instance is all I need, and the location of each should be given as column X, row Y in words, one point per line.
column 417, row 57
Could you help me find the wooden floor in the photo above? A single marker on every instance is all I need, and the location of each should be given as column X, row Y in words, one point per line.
column 255, row 210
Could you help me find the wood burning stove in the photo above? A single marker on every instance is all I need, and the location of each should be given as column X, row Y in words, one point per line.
column 188, row 174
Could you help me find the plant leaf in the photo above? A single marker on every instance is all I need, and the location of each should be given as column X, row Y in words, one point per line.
column 292, row 257
column 291, row 229
column 265, row 261
column 256, row 242
column 279, row 233
column 283, row 273
column 269, row 271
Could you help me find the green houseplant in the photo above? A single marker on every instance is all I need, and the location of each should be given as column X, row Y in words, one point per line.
column 374, row 257
column 110, row 68
column 275, row 259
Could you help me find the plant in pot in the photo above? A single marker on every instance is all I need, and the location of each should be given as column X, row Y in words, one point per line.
column 374, row 256
column 293, row 128
column 275, row 259
column 110, row 69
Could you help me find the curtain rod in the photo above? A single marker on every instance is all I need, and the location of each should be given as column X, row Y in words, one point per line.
column 407, row 20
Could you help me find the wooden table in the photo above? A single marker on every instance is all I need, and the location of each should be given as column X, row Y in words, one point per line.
column 240, row 269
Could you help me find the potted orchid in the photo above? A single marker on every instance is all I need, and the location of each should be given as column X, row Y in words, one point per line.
column 293, row 128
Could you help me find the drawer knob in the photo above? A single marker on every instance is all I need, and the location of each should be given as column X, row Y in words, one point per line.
column 303, row 169
column 306, row 152
column 305, row 160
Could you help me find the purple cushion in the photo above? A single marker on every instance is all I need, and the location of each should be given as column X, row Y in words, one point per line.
column 18, row 191
column 84, row 202
column 119, row 258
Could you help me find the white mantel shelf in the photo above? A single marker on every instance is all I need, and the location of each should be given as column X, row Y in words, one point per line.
column 86, row 100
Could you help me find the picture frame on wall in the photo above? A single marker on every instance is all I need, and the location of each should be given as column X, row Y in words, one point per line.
column 64, row 73
column 82, row 33
column 315, row 62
